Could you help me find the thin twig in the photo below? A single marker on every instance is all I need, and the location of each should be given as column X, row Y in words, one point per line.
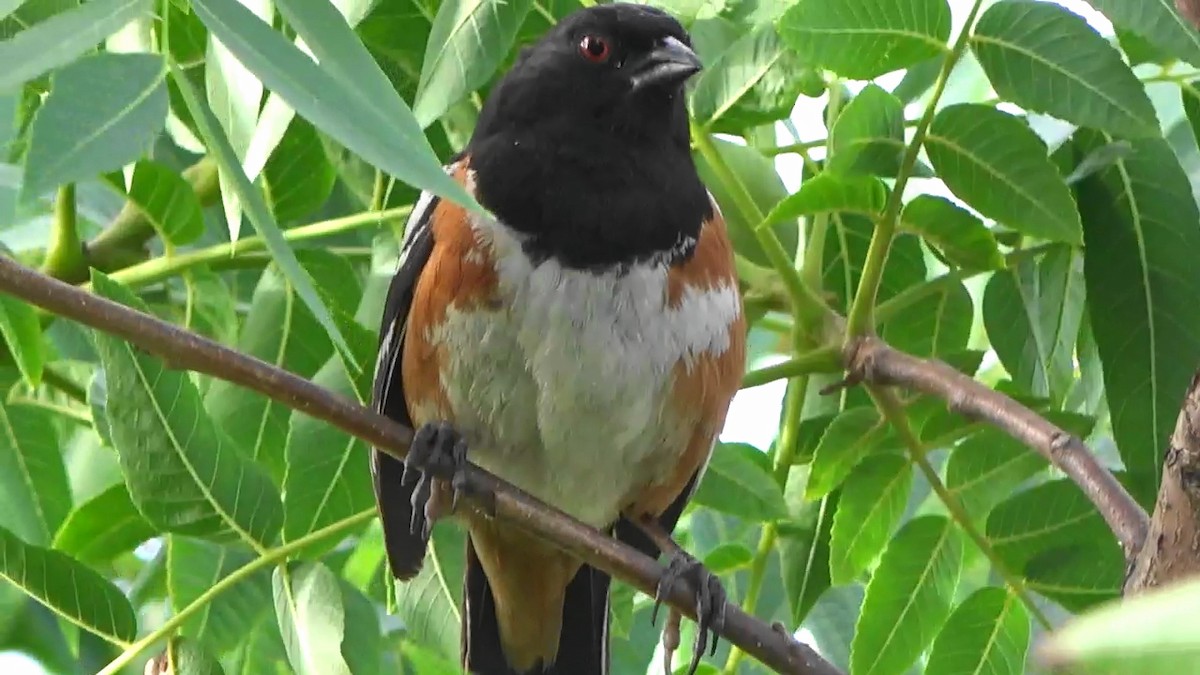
column 184, row 349
column 872, row 360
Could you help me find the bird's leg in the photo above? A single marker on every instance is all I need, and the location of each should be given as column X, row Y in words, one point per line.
column 439, row 453
column 710, row 594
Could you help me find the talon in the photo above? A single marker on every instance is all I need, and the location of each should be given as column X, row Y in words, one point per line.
column 420, row 496
column 438, row 454
column 710, row 602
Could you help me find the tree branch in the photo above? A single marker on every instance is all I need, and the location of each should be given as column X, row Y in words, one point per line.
column 1172, row 549
column 869, row 359
column 772, row 645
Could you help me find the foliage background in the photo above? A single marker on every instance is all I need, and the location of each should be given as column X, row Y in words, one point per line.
column 813, row 512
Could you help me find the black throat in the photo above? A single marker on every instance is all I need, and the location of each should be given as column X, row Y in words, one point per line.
column 590, row 197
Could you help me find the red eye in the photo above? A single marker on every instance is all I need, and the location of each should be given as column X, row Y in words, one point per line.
column 594, row 49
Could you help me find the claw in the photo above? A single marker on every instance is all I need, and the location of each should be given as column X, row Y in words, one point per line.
column 437, row 456
column 710, row 603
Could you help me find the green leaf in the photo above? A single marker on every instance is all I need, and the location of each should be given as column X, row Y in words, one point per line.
column 908, row 597
column 995, row 163
column 103, row 527
column 185, row 657
column 1158, row 22
column 193, row 567
column 468, row 41
column 34, row 493
column 256, row 208
column 235, row 96
column 63, row 38
column 1047, row 59
column 917, row 80
column 9, row 6
column 102, row 113
column 326, row 31
column 70, row 589
column 987, row 633
column 827, row 192
column 738, row 482
column 936, row 325
column 868, row 135
column 1032, row 313
column 429, row 603
column 395, row 33
column 960, row 237
column 727, row 558
column 1140, row 227
column 362, row 645
column 804, row 548
column 760, row 179
column 846, row 244
column 98, row 405
column 22, row 332
column 1152, row 632
column 850, row 437
column 986, row 468
column 870, row 505
column 214, row 310
column 393, row 142
column 325, row 481
column 166, row 200
column 282, row 332
column 312, row 619
column 1189, row 93
column 863, row 39
column 1139, row 50
column 183, row 472
column 756, row 80
column 298, row 177
column 1051, row 515
column 261, row 650
column 1078, row 576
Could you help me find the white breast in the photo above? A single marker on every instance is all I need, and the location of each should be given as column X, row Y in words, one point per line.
column 563, row 390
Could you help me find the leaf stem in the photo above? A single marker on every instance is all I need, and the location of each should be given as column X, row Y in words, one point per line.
column 860, row 319
column 785, row 453
column 891, row 409
column 163, row 268
column 267, row 559
column 826, row 359
column 806, row 304
column 64, row 255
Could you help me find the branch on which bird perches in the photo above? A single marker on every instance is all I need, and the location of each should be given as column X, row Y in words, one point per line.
column 184, row 349
column 871, row 360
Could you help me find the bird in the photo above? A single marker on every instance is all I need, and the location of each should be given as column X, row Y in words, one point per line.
column 582, row 339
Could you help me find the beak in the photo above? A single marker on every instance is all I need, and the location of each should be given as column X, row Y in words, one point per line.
column 669, row 64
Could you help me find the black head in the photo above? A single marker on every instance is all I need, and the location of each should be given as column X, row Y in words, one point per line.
column 583, row 145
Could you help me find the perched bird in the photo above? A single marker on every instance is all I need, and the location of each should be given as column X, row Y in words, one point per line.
column 583, row 342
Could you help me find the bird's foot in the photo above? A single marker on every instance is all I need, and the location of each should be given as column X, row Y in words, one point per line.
column 710, row 605
column 439, row 453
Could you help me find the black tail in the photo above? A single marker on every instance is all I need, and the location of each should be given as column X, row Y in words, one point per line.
column 583, row 647
column 402, row 529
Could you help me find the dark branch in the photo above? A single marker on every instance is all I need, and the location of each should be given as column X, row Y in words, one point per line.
column 184, row 349
column 872, row 360
column 1172, row 549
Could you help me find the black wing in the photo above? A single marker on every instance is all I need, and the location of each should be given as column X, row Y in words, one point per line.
column 402, row 528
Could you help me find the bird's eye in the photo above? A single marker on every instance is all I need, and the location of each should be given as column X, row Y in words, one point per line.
column 594, row 49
